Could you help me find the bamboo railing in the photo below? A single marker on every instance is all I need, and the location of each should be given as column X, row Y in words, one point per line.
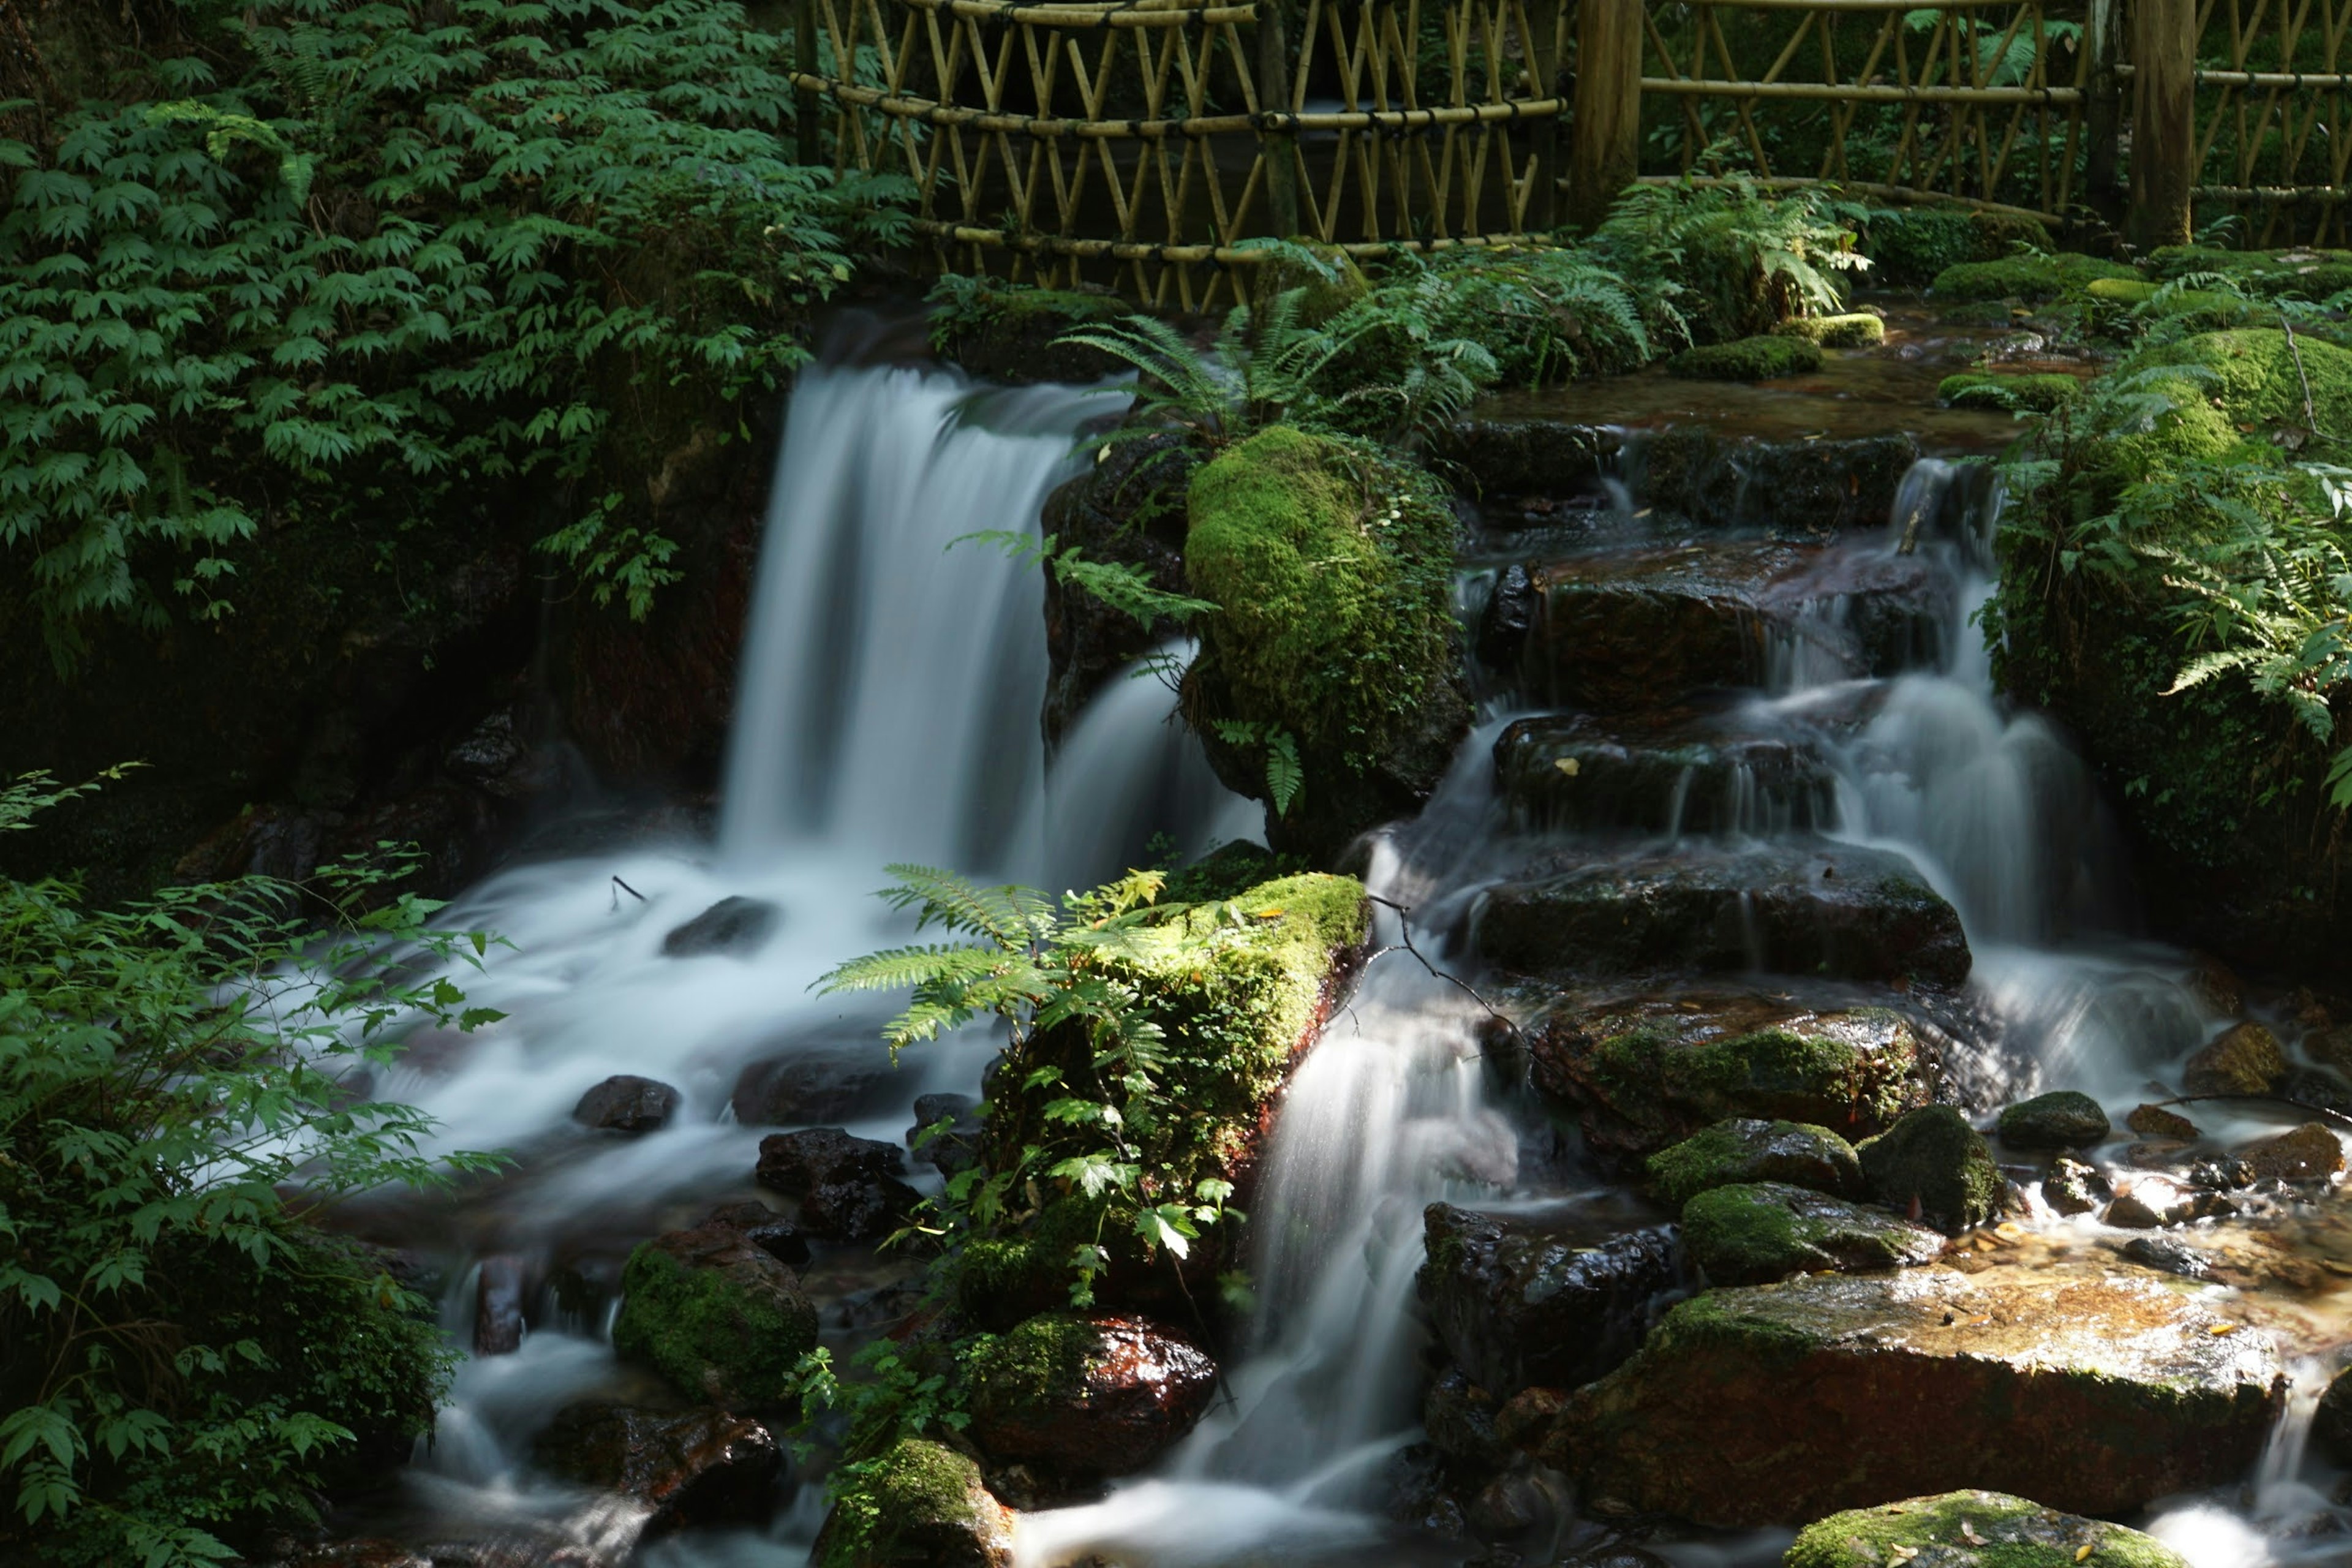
column 1150, row 144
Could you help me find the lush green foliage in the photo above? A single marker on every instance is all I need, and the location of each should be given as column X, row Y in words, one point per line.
column 187, row 1357
column 1741, row 259
column 344, row 260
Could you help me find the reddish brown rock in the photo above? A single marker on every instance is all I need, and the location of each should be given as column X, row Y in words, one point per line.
column 694, row 1468
column 2244, row 1060
column 1081, row 1398
column 2155, row 1121
column 2309, row 1153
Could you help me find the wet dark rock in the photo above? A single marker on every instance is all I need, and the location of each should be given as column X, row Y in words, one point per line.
column 811, row 1084
column 2309, row 1153
column 2061, row 1120
column 1613, row 1557
column 2246, row 1060
column 2155, row 1121
column 848, row 1187
column 921, row 1505
column 1083, row 1398
column 1752, row 1233
column 624, row 1103
column 1933, row 1165
column 499, row 1305
column 2222, row 1175
column 1570, row 771
column 2145, row 1206
column 1504, row 622
column 494, row 760
column 2318, row 1088
column 1516, row 1301
column 733, row 925
column 1749, row 1149
column 1532, row 457
column 2100, row 1389
column 2331, row 1423
column 1801, row 907
column 694, row 1468
column 1648, row 1073
column 2169, row 1256
column 1509, row 1507
column 1413, row 1484
column 2073, row 1187
column 1964, row 1529
column 1459, row 1418
column 2157, row 1155
column 957, row 1148
column 764, row 1228
column 717, row 1315
column 1128, row 511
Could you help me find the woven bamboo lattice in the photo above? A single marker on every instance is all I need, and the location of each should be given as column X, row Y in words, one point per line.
column 1979, row 99
column 2274, row 136
column 1117, row 142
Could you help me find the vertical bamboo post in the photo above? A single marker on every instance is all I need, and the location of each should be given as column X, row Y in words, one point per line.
column 1605, row 141
column 805, row 60
column 1278, row 140
column 2102, row 121
column 2164, row 121
column 1543, row 71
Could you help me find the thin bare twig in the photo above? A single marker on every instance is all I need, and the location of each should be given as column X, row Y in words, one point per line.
column 1405, row 925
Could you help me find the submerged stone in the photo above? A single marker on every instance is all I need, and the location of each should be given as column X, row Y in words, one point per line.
column 1649, row 1073
column 1517, row 1303
column 736, row 926
column 1931, row 1162
column 1569, row 771
column 1793, row 906
column 2063, row 1119
column 1777, row 1403
column 1748, row 1149
column 1972, row 1530
column 1752, row 1233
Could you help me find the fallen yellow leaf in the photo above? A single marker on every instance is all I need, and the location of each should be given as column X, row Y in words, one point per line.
column 1570, row 766
column 2008, row 1230
column 2223, row 1329
column 2084, row 1552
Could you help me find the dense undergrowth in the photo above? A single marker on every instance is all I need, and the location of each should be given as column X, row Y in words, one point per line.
column 190, row 1359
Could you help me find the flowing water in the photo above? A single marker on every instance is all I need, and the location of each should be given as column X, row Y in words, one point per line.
column 888, row 712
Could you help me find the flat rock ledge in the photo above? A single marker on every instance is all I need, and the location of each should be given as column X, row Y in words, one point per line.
column 2093, row 1390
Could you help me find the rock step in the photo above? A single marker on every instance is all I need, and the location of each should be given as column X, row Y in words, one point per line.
column 2098, row 1390
column 1572, row 772
column 1801, row 906
column 1623, row 631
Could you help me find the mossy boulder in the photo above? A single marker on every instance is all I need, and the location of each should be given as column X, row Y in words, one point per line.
column 2297, row 274
column 1080, row 1398
column 715, row 1314
column 1972, row 1530
column 1754, row 1233
column 2062, row 1118
column 1931, row 1162
column 2252, row 374
column 2099, row 1388
column 1324, row 277
column 1647, row 1074
column 2008, row 393
column 919, row 1505
column 1749, row 1149
column 1765, row 358
column 1909, row 246
column 2245, row 1059
column 1334, row 646
column 1860, row 330
column 2031, row 278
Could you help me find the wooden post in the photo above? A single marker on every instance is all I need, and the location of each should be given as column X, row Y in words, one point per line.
column 805, row 60
column 1277, row 144
column 1544, row 141
column 2103, row 122
column 1605, row 141
column 2164, row 121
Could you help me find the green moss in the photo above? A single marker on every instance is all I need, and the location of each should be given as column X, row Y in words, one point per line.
column 2313, row 274
column 1972, row 1530
column 708, row 1333
column 1755, row 1073
column 1041, row 1365
column 916, row 1502
column 2252, row 374
column 1752, row 1233
column 1911, row 246
column 2063, row 1119
column 1933, row 1158
column 1323, row 291
column 1859, row 330
column 2008, row 393
column 2031, row 278
column 1734, row 1151
column 1748, row 359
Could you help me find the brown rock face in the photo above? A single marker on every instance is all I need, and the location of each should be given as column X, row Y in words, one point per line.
column 702, row 1467
column 848, row 1187
column 2245, row 1060
column 2096, row 1390
column 2309, row 1153
column 1085, row 1397
column 2155, row 1121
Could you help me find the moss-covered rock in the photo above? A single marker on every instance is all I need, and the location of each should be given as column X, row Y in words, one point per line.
column 1859, row 329
column 921, row 1505
column 1764, row 358
column 1910, row 246
column 715, row 1314
column 2253, row 375
column 1931, row 1162
column 1649, row 1074
column 1972, row 1530
column 2297, row 274
column 2008, row 393
column 1334, row 640
column 1325, row 279
column 1748, row 1149
column 2099, row 1388
column 2245, row 1059
column 2030, row 278
column 1754, row 1233
column 2063, row 1119
column 1081, row 1398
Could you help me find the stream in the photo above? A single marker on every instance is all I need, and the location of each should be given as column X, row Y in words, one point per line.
column 888, row 713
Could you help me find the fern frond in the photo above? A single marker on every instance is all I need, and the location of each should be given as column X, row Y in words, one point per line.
column 1010, row 917
column 898, row 968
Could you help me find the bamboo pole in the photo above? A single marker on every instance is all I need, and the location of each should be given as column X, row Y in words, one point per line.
column 2103, row 39
column 2164, row 121
column 1862, row 93
column 1605, row 141
column 1277, row 144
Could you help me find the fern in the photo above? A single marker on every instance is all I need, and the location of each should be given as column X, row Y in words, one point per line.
column 1124, row 588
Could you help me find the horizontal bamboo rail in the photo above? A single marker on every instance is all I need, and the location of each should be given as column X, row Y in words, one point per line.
column 1853, row 92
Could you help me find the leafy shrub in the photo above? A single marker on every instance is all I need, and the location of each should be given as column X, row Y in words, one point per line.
column 188, row 1358
column 1742, row 259
column 342, row 262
